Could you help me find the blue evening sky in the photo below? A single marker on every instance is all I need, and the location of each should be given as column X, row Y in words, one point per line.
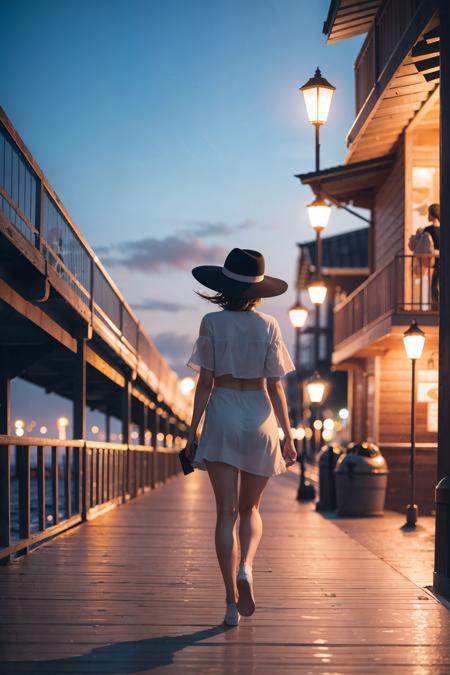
column 171, row 130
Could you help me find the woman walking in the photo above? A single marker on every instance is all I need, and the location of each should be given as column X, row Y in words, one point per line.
column 240, row 356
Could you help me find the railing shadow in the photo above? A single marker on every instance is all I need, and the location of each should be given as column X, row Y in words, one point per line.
column 122, row 658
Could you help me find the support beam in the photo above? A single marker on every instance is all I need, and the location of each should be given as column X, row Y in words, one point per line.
column 79, row 397
column 108, row 427
column 154, row 428
column 126, row 411
column 139, row 460
column 143, row 422
column 441, row 578
column 126, row 423
column 79, row 426
column 5, row 396
column 5, row 456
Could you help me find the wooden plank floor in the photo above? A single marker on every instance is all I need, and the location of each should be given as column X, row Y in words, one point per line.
column 138, row 591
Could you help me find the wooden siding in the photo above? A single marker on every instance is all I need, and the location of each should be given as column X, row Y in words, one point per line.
column 389, row 214
column 359, row 405
column 395, row 396
column 397, row 495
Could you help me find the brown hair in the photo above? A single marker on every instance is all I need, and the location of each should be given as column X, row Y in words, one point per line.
column 234, row 304
column 434, row 210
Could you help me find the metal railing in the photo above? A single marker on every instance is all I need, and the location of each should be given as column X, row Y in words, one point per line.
column 406, row 284
column 392, row 19
column 58, row 484
column 33, row 208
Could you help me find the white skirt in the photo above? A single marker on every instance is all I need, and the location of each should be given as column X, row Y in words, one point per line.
column 241, row 429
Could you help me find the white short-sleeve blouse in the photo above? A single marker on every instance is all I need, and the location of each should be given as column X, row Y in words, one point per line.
column 245, row 344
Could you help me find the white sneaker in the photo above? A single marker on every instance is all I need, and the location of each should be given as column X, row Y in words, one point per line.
column 231, row 615
column 246, row 602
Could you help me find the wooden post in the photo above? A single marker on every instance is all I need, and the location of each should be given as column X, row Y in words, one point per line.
column 441, row 579
column 80, row 491
column 154, row 428
column 5, row 398
column 140, row 458
column 108, row 427
column 5, row 457
column 126, row 423
column 23, row 473
column 165, row 457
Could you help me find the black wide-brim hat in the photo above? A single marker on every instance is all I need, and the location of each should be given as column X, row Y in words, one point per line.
column 242, row 276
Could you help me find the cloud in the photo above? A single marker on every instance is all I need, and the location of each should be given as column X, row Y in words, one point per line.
column 161, row 305
column 153, row 255
column 178, row 251
column 205, row 228
column 174, row 346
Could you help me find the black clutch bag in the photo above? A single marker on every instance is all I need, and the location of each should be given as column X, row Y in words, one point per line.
column 185, row 463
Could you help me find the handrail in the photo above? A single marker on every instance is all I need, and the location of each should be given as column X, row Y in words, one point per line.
column 359, row 289
column 40, row 442
column 404, row 284
column 90, row 476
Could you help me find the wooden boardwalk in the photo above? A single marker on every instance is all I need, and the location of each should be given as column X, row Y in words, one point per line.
column 138, row 591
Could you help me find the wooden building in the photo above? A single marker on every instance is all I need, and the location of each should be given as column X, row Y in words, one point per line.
column 392, row 169
column 344, row 267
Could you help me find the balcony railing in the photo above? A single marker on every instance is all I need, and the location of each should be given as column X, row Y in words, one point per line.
column 406, row 284
column 390, row 23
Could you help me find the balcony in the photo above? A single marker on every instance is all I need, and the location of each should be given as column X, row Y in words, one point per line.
column 383, row 304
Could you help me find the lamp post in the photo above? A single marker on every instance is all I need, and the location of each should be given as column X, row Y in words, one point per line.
column 298, row 316
column 413, row 341
column 316, row 388
column 317, row 93
column 319, row 215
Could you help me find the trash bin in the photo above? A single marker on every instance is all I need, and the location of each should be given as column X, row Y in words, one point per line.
column 361, row 480
column 328, row 458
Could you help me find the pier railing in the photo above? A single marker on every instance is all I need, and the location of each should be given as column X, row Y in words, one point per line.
column 56, row 484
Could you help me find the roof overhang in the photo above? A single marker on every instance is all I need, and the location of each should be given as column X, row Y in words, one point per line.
column 408, row 80
column 347, row 18
column 350, row 183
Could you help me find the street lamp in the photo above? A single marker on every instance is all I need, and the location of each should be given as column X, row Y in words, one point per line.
column 413, row 342
column 319, row 213
column 316, row 388
column 298, row 316
column 316, row 391
column 317, row 93
column 317, row 292
column 187, row 384
column 61, row 424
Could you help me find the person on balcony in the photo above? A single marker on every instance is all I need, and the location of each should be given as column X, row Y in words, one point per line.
column 241, row 356
column 434, row 218
column 425, row 246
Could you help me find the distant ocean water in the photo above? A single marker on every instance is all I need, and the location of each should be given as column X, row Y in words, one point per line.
column 34, row 514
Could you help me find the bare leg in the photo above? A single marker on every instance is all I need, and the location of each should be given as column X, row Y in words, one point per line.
column 250, row 523
column 224, row 480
